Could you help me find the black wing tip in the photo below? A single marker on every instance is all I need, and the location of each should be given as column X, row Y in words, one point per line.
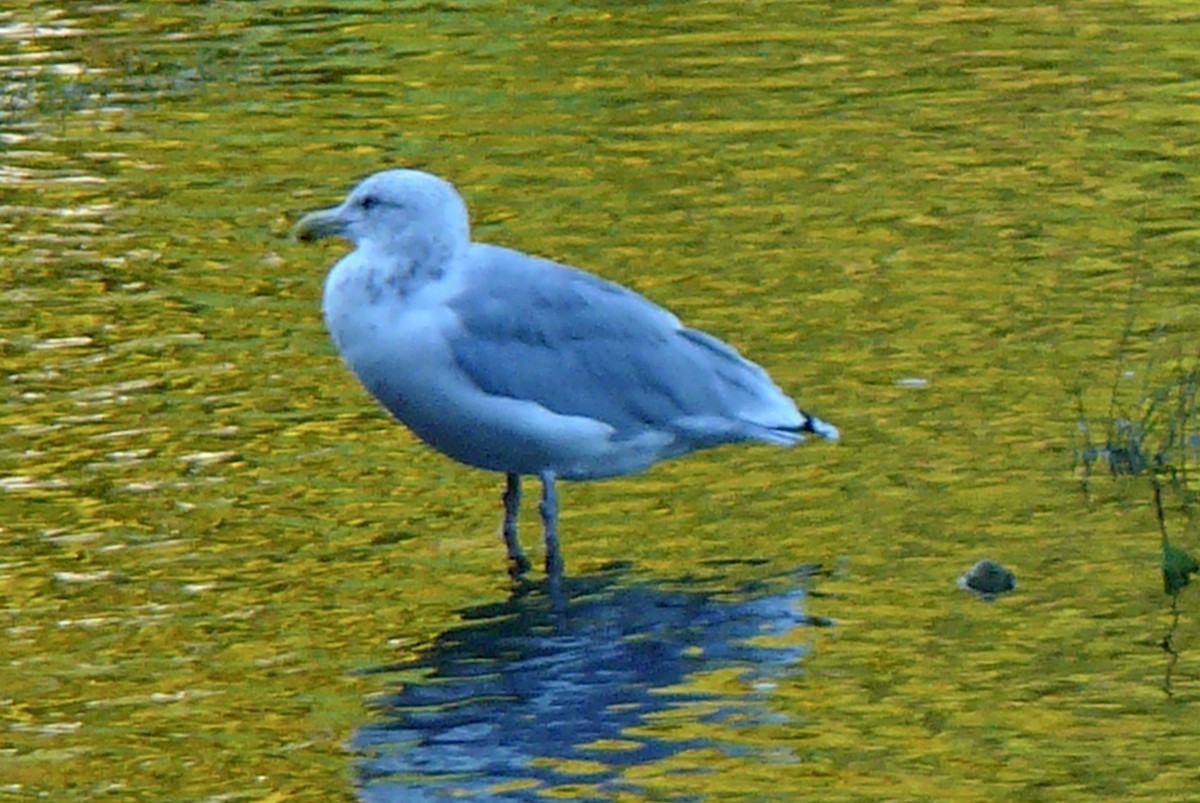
column 819, row 427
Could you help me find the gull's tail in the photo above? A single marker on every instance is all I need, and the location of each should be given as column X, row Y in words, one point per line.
column 791, row 435
column 818, row 426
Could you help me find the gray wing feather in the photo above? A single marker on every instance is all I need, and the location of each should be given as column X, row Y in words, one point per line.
column 580, row 345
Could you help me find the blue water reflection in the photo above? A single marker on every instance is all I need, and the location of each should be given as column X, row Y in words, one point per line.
column 516, row 699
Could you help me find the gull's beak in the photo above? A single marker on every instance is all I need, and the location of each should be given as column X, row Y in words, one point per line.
column 322, row 223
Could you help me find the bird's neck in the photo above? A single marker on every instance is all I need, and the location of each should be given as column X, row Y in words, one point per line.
column 414, row 260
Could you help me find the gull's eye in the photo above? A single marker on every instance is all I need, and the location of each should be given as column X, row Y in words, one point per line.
column 369, row 202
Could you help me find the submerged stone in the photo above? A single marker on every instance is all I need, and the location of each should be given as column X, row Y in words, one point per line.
column 988, row 579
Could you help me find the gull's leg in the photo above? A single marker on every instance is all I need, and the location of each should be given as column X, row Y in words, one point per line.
column 549, row 510
column 518, row 564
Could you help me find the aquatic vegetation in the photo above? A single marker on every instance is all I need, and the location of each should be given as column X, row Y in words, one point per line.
column 1149, row 445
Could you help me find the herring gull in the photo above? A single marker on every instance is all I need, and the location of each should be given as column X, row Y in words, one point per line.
column 516, row 364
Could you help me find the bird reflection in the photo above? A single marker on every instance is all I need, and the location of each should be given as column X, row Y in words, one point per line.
column 533, row 693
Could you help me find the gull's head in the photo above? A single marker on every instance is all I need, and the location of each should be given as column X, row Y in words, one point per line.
column 407, row 212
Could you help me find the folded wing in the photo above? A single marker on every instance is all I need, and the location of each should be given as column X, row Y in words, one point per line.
column 578, row 345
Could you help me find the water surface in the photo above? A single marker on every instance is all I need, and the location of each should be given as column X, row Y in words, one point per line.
column 226, row 574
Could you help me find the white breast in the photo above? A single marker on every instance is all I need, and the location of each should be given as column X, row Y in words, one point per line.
column 396, row 341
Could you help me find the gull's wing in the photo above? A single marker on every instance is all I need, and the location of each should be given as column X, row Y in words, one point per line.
column 579, row 345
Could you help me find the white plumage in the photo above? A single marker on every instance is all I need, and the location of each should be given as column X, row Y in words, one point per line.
column 516, row 364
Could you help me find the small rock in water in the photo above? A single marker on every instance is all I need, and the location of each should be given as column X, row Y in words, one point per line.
column 988, row 579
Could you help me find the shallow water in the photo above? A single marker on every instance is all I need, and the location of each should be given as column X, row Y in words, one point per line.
column 226, row 574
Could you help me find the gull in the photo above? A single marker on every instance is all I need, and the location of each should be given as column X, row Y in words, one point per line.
column 516, row 364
